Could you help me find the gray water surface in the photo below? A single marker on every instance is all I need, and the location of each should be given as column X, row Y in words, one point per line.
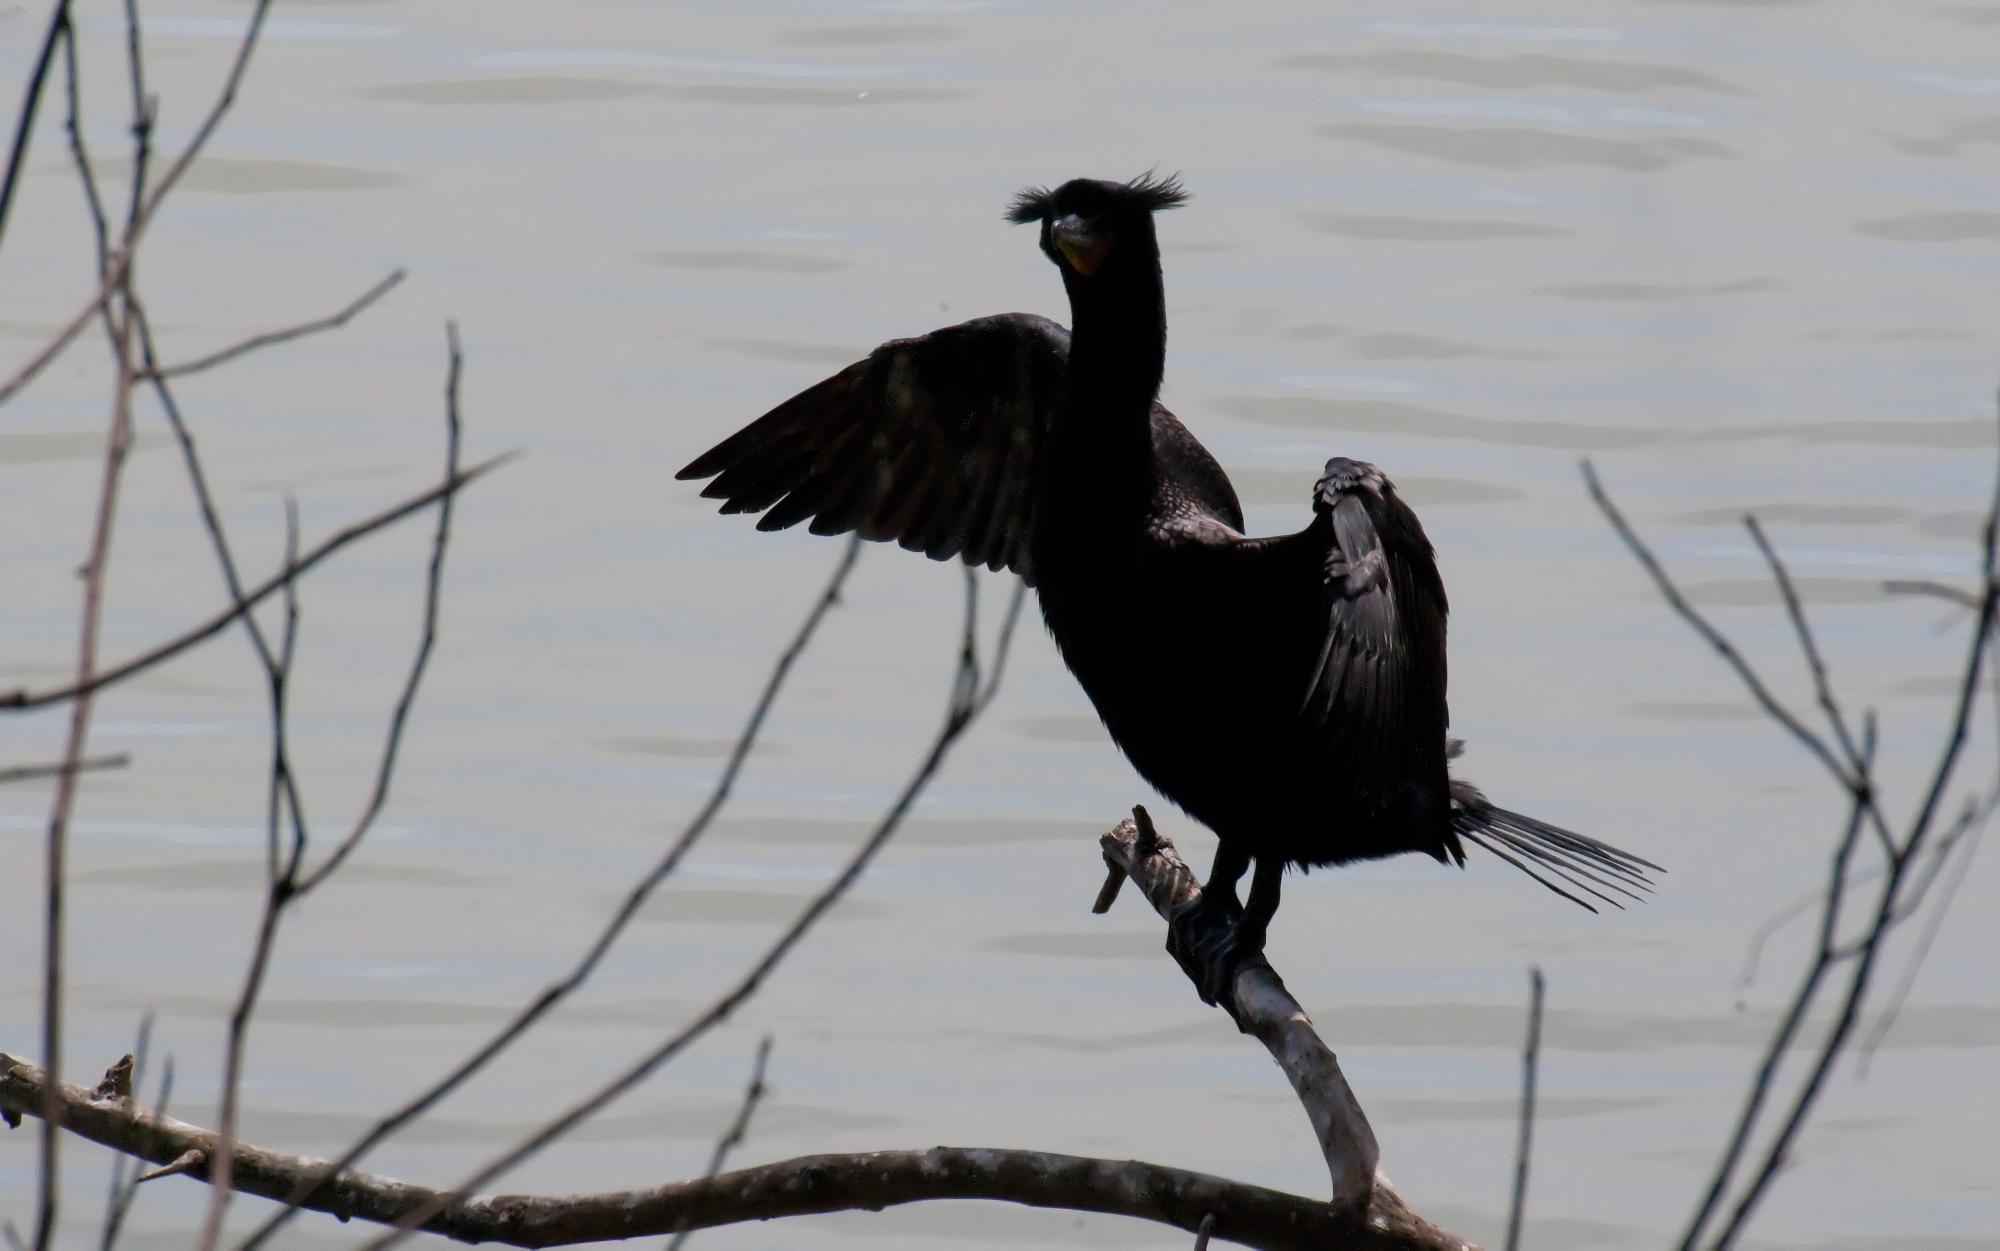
column 1742, row 255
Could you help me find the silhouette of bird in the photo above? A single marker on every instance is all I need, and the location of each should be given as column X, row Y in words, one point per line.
column 1287, row 692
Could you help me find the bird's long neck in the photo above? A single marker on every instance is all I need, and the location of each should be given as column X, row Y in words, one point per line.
column 1118, row 347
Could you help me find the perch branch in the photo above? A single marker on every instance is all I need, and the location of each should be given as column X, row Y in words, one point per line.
column 1264, row 1009
column 864, row 1181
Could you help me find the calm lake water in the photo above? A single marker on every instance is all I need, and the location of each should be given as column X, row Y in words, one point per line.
column 1742, row 255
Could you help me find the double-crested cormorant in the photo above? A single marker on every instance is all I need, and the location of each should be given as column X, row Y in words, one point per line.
column 1287, row 692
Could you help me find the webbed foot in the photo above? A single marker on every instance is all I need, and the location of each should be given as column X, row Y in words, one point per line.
column 1208, row 937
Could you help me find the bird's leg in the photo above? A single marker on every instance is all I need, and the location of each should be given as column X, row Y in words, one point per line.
column 1202, row 925
column 1263, row 905
column 1243, row 940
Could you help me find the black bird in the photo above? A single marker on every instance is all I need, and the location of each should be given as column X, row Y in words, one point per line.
column 1287, row 692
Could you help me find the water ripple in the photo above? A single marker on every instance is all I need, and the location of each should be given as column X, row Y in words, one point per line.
column 1521, row 147
column 1520, row 72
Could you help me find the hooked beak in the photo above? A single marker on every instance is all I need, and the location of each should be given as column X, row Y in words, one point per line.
column 1081, row 245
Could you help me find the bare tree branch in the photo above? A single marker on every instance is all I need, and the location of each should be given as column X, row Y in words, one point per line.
column 869, row 1181
column 115, row 275
column 96, row 563
column 1899, row 893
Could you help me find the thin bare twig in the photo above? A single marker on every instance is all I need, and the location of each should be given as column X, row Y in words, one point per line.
column 280, row 799
column 1970, row 826
column 332, row 321
column 116, row 273
column 86, row 173
column 144, row 111
column 1531, row 1054
column 29, row 773
column 31, row 101
column 1794, row 1017
column 968, row 696
column 1856, row 777
column 392, row 746
column 1899, row 895
column 96, row 564
column 733, row 1136
column 1936, row 590
column 635, row 899
column 1886, row 1019
column 1712, row 636
column 23, row 700
column 286, row 885
column 41, row 358
column 1779, row 1148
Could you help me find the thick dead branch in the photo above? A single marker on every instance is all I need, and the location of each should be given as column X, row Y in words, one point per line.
column 866, row 1181
column 1266, row 1010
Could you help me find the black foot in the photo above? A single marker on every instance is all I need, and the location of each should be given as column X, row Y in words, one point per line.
column 1211, row 940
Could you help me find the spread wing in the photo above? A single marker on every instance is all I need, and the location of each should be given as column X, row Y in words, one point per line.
column 928, row 441
column 1374, row 707
column 1375, row 699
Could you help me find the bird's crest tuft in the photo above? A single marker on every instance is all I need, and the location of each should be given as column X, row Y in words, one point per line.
column 1155, row 193
column 1031, row 204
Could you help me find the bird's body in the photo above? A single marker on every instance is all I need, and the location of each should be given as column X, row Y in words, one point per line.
column 1287, row 692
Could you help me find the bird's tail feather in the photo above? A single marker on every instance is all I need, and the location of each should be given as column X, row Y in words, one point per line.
column 1557, row 858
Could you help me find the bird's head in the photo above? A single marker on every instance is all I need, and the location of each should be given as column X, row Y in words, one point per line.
column 1093, row 228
